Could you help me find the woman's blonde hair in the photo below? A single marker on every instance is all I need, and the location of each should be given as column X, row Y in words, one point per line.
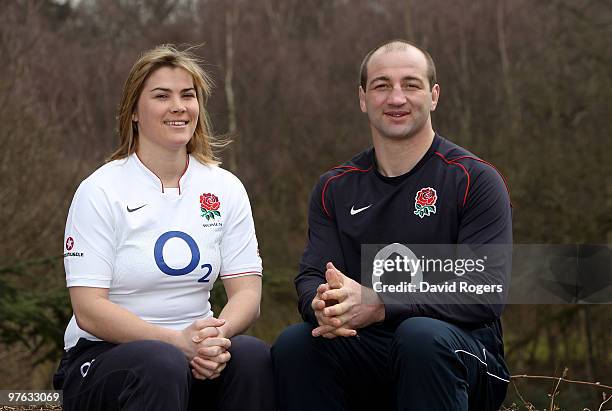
column 203, row 144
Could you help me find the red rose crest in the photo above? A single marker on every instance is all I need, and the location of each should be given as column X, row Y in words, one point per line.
column 209, row 204
column 425, row 202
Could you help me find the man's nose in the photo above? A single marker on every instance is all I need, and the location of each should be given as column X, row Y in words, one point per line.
column 397, row 97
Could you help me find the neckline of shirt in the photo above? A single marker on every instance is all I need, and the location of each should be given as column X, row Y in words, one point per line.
column 157, row 182
column 399, row 179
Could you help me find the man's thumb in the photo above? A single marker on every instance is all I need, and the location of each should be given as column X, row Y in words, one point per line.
column 333, row 277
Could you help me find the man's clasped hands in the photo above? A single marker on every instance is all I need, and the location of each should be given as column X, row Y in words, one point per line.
column 339, row 308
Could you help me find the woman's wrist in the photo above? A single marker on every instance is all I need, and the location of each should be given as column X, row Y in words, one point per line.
column 175, row 338
column 224, row 330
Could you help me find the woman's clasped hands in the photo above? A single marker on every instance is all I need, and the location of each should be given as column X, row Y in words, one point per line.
column 206, row 347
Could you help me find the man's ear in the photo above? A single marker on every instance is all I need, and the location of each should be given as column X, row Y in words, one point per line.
column 435, row 95
column 362, row 103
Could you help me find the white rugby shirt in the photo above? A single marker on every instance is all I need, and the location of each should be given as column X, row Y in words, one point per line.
column 158, row 250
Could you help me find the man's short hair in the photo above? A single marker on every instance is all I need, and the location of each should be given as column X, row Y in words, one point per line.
column 431, row 67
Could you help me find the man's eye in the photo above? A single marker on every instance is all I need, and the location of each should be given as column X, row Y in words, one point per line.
column 381, row 87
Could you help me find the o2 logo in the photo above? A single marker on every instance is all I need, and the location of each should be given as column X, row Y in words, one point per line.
column 158, row 252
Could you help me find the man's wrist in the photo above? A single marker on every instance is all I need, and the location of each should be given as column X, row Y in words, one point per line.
column 372, row 299
column 380, row 313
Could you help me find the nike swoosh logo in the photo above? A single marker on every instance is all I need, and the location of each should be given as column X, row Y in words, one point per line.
column 359, row 210
column 131, row 210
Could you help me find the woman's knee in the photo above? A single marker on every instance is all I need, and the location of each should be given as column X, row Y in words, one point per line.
column 156, row 357
column 251, row 349
column 250, row 360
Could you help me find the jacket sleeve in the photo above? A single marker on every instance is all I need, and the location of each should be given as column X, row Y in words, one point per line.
column 485, row 228
column 323, row 245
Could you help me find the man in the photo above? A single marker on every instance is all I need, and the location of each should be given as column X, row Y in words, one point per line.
column 355, row 349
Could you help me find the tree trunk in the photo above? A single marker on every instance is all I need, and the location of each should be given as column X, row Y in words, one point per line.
column 231, row 16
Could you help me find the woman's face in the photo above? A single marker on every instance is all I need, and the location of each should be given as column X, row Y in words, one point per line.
column 167, row 109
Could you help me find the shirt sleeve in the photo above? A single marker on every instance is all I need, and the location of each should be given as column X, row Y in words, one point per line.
column 239, row 250
column 89, row 240
column 323, row 246
column 485, row 228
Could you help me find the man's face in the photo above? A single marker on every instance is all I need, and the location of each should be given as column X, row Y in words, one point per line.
column 398, row 98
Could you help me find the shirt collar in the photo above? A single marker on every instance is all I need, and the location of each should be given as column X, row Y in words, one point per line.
column 155, row 181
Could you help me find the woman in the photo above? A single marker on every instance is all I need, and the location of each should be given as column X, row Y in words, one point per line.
column 147, row 235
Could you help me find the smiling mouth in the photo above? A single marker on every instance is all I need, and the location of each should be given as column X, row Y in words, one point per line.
column 177, row 123
column 397, row 114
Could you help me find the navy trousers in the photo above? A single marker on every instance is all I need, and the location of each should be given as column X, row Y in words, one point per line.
column 152, row 375
column 422, row 365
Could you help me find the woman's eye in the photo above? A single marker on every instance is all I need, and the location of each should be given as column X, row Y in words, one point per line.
column 161, row 96
column 190, row 95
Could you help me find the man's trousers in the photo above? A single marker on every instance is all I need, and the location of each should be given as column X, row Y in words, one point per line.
column 422, row 365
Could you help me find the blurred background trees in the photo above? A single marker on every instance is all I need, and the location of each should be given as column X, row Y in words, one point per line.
column 525, row 85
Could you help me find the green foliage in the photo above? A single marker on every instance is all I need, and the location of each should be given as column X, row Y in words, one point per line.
column 33, row 312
